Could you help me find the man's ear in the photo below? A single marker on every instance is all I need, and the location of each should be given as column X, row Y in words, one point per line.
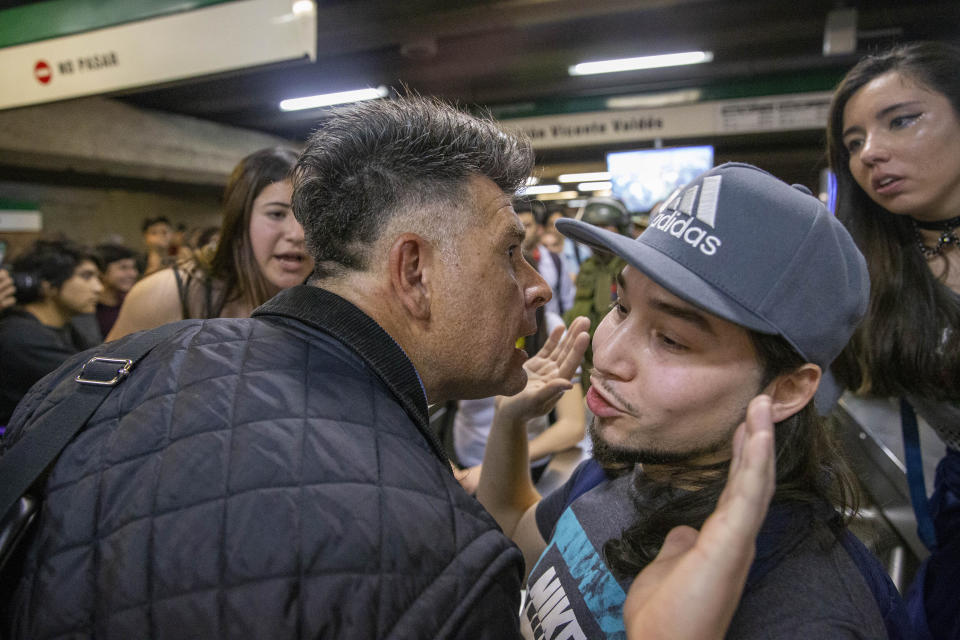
column 792, row 391
column 411, row 263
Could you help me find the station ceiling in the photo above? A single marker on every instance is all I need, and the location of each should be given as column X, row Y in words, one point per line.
column 513, row 55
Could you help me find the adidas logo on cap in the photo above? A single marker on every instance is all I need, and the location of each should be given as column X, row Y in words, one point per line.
column 678, row 214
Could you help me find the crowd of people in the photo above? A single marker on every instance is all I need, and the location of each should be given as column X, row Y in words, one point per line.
column 275, row 473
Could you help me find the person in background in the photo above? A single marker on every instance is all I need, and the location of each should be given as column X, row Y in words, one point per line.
column 548, row 264
column 118, row 277
column 894, row 144
column 596, row 283
column 553, row 241
column 157, row 236
column 8, row 291
column 37, row 335
column 574, row 253
column 261, row 252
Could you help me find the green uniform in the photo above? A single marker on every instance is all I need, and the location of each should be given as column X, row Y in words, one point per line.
column 596, row 290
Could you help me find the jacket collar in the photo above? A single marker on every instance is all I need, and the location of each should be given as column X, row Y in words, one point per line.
column 339, row 318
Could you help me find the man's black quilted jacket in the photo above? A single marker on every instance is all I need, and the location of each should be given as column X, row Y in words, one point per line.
column 271, row 477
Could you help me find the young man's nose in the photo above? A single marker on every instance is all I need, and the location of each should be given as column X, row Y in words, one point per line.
column 614, row 350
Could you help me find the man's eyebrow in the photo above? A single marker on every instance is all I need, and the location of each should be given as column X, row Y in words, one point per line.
column 880, row 114
column 684, row 313
column 514, row 233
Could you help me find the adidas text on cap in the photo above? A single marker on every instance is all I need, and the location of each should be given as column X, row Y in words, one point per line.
column 749, row 248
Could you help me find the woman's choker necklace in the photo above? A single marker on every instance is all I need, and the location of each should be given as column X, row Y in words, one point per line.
column 947, row 235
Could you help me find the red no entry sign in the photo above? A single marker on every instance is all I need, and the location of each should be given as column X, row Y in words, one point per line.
column 42, row 72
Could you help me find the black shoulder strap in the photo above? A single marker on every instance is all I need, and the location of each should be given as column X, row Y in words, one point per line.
column 30, row 456
column 183, row 289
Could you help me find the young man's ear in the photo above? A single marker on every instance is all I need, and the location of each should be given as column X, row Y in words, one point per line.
column 792, row 391
column 411, row 264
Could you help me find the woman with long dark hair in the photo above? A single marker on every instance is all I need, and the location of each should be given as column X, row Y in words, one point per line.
column 260, row 252
column 894, row 144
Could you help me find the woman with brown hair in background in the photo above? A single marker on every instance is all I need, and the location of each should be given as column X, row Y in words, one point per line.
column 894, row 143
column 261, row 251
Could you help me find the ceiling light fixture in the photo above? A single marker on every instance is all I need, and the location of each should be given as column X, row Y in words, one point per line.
column 536, row 190
column 583, row 177
column 654, row 100
column 643, row 62
column 328, row 99
column 563, row 195
column 594, row 186
column 302, row 7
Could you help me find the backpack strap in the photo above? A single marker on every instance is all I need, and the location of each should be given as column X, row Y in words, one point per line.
column 558, row 267
column 30, row 456
column 918, row 489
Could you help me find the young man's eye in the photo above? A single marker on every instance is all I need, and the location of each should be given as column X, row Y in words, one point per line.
column 670, row 343
column 622, row 310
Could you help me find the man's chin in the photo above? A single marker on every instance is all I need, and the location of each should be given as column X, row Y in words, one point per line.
column 514, row 383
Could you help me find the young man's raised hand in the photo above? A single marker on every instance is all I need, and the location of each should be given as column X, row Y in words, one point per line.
column 692, row 588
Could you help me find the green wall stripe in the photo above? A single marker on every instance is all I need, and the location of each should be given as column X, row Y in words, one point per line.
column 809, row 82
column 57, row 18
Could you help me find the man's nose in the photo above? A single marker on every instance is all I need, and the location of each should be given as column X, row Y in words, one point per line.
column 536, row 290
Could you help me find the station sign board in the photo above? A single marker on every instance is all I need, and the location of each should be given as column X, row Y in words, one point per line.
column 720, row 117
column 210, row 40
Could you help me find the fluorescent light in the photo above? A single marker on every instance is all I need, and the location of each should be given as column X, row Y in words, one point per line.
column 535, row 190
column 563, row 195
column 643, row 62
column 652, row 100
column 301, row 7
column 532, row 180
column 594, row 186
column 583, row 177
column 327, row 99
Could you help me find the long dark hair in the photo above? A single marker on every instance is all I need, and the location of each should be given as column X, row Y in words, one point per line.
column 810, row 471
column 233, row 264
column 909, row 341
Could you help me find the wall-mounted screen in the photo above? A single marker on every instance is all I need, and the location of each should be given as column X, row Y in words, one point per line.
column 643, row 178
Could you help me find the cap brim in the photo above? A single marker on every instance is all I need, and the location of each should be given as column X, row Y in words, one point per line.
column 666, row 272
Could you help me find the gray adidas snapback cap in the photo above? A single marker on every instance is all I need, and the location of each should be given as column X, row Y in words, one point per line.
column 749, row 248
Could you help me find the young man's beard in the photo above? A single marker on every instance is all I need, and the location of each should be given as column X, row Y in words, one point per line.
column 617, row 456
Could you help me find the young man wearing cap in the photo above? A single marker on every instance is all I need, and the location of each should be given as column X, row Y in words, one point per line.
column 742, row 286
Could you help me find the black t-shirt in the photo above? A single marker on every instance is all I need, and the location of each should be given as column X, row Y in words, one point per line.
column 30, row 350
